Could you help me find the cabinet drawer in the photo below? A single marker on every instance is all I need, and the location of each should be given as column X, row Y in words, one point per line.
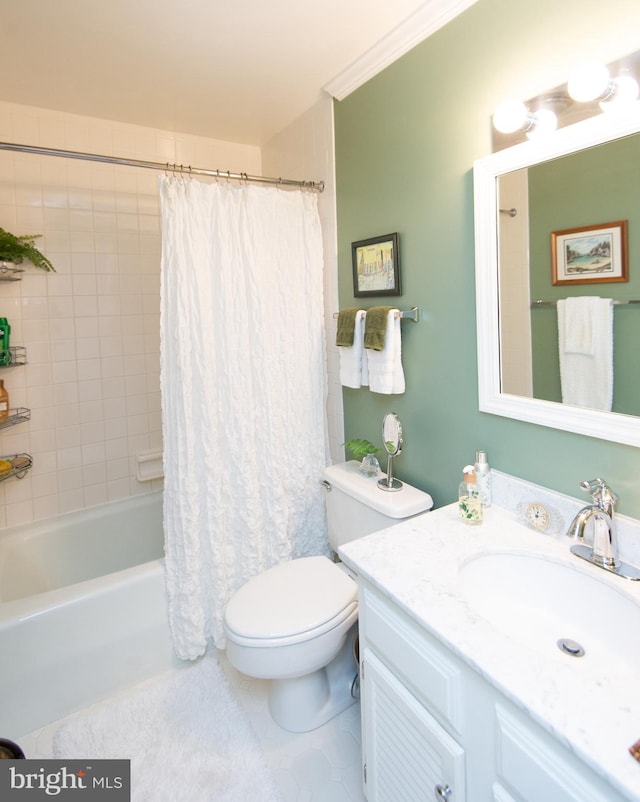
column 533, row 766
column 422, row 664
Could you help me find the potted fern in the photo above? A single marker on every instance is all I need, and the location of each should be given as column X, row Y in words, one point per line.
column 14, row 250
column 364, row 450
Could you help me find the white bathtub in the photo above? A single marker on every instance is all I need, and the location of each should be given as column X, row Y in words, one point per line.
column 82, row 610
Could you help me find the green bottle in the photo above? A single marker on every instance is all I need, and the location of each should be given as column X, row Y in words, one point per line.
column 5, row 332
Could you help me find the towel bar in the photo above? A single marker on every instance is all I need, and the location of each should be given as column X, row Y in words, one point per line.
column 539, row 303
column 412, row 314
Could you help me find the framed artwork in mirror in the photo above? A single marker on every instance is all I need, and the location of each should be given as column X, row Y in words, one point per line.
column 376, row 266
column 590, row 254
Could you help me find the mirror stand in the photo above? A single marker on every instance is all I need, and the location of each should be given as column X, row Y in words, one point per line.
column 392, row 441
column 388, row 482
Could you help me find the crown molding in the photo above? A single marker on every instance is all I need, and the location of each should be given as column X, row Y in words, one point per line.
column 429, row 18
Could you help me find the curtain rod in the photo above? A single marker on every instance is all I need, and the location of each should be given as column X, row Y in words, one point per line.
column 173, row 168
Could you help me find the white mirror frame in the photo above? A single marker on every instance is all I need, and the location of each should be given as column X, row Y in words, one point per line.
column 594, row 423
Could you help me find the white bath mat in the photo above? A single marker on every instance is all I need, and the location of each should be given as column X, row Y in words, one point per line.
column 187, row 737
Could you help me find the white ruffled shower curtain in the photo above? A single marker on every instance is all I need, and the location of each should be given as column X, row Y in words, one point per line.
column 243, row 380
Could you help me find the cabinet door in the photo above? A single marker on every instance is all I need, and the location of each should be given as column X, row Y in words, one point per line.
column 407, row 755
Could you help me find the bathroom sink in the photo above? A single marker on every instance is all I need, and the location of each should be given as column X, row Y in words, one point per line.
column 543, row 604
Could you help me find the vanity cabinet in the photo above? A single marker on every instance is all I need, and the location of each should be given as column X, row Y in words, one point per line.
column 407, row 751
column 434, row 729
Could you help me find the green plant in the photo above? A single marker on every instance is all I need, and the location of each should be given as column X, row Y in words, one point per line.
column 360, row 448
column 18, row 249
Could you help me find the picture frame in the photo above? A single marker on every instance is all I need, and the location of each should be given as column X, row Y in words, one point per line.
column 594, row 254
column 376, row 266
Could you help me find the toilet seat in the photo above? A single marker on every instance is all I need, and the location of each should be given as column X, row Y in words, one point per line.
column 291, row 602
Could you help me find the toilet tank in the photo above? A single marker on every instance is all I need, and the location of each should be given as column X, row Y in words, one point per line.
column 356, row 506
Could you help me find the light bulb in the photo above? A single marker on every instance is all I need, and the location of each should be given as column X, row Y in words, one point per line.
column 511, row 115
column 626, row 91
column 544, row 122
column 588, row 82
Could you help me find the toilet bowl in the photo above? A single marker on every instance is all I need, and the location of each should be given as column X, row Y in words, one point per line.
column 288, row 625
column 295, row 624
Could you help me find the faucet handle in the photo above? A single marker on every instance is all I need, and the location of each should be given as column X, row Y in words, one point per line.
column 601, row 493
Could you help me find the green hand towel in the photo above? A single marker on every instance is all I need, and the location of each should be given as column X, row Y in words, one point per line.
column 375, row 327
column 346, row 326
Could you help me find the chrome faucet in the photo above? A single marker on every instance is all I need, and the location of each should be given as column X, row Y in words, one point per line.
column 604, row 548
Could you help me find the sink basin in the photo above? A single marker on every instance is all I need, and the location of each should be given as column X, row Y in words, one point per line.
column 539, row 602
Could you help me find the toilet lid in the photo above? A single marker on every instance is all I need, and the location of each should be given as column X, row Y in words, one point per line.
column 291, row 598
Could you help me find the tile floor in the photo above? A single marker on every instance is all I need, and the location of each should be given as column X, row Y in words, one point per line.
column 318, row 766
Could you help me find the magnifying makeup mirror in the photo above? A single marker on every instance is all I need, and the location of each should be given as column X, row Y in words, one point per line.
column 392, row 441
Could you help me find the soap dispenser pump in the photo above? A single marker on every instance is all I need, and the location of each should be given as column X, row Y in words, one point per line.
column 469, row 501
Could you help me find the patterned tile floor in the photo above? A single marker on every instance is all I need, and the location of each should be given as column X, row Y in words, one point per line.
column 318, row 766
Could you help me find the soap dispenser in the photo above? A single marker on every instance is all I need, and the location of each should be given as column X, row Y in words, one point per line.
column 483, row 477
column 469, row 501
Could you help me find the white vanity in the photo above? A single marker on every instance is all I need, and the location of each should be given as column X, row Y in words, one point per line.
column 466, row 694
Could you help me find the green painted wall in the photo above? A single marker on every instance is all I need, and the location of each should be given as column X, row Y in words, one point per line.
column 405, row 146
column 596, row 186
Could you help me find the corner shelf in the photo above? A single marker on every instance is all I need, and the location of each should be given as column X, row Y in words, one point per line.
column 10, row 273
column 13, row 356
column 18, row 415
column 20, row 464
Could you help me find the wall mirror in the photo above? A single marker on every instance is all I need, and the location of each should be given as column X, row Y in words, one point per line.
column 501, row 391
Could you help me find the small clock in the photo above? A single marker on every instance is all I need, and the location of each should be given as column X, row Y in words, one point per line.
column 537, row 516
column 541, row 517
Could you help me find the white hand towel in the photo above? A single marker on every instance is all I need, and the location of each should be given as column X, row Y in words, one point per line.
column 585, row 340
column 353, row 361
column 579, row 323
column 385, row 367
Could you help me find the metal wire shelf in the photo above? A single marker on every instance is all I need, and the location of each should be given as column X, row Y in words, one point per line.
column 8, row 272
column 12, row 356
column 14, row 465
column 17, row 415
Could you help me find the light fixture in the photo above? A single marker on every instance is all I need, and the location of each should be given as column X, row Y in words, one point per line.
column 512, row 115
column 626, row 91
column 591, row 81
column 545, row 121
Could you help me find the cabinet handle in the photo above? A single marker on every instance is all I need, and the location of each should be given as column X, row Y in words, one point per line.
column 443, row 792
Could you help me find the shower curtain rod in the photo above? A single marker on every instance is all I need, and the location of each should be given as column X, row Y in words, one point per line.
column 318, row 186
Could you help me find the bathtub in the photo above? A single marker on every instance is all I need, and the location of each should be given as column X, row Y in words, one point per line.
column 82, row 610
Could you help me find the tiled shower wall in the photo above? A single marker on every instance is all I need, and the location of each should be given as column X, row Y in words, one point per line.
column 91, row 329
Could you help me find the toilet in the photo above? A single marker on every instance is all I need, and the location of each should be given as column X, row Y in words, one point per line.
column 295, row 624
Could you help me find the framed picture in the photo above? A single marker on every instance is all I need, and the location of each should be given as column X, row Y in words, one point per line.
column 590, row 254
column 376, row 266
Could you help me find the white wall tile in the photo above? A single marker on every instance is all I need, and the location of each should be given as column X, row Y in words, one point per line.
column 91, row 329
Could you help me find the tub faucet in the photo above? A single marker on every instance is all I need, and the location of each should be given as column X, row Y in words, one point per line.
column 604, row 549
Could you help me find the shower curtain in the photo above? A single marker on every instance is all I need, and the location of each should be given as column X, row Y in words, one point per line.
column 243, row 382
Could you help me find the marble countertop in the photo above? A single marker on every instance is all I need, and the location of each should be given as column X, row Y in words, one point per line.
column 592, row 703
